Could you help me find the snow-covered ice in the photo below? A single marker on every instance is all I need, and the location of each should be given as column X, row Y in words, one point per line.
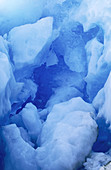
column 55, row 84
column 19, row 154
column 27, row 41
column 31, row 120
column 97, row 160
column 65, row 134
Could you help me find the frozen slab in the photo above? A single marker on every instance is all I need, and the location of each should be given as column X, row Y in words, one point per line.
column 31, row 120
column 66, row 132
column 15, row 13
column 18, row 153
column 27, row 41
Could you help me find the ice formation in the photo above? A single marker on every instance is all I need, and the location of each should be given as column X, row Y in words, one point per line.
column 55, row 84
column 63, row 135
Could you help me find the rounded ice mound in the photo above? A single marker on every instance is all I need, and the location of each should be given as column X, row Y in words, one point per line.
column 67, row 136
column 15, row 13
column 28, row 40
column 18, row 153
column 31, row 120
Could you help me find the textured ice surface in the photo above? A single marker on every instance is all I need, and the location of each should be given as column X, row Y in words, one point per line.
column 107, row 167
column 31, row 121
column 102, row 105
column 18, row 153
column 65, row 134
column 27, row 41
column 7, row 82
column 97, row 160
column 53, row 52
column 103, row 99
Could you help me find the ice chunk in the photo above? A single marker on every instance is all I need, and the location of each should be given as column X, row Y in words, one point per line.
column 5, row 71
column 27, row 41
column 4, row 45
column 7, row 84
column 97, row 160
column 99, row 100
column 16, row 119
column 105, row 109
column 70, row 44
column 94, row 51
column 18, row 153
column 90, row 12
column 73, row 105
column 25, row 136
column 31, row 120
column 51, row 59
column 95, row 77
column 63, row 94
column 65, row 134
column 76, row 59
column 15, row 13
column 29, row 89
column 107, row 167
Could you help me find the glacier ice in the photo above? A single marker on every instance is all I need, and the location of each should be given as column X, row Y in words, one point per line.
column 65, row 133
column 97, row 160
column 31, row 121
column 19, row 154
column 102, row 100
column 55, row 71
column 27, row 41
column 15, row 13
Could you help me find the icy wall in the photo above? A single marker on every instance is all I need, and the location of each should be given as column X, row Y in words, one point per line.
column 55, row 84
